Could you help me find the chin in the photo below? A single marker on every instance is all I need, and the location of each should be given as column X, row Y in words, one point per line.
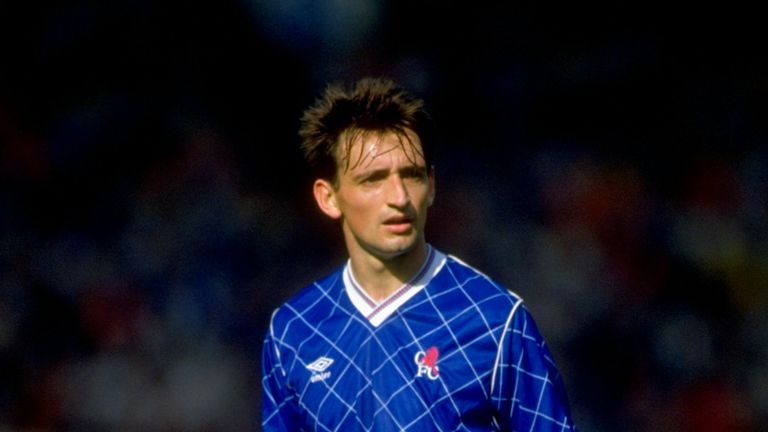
column 397, row 250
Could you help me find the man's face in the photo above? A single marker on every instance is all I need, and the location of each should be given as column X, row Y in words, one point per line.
column 382, row 194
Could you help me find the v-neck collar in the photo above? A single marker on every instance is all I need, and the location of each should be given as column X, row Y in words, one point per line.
column 377, row 312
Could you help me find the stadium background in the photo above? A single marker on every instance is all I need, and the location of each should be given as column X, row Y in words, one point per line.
column 607, row 161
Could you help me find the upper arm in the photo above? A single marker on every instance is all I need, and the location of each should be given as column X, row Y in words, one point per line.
column 278, row 406
column 527, row 387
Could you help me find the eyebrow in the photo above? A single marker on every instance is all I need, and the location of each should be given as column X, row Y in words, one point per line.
column 408, row 170
column 414, row 169
column 369, row 174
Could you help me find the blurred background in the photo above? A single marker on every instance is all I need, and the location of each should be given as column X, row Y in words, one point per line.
column 607, row 161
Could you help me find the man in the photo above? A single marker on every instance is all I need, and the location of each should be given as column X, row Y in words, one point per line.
column 402, row 337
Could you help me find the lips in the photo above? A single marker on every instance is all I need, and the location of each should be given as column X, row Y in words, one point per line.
column 399, row 224
column 397, row 220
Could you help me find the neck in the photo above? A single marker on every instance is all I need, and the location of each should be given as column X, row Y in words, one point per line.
column 381, row 277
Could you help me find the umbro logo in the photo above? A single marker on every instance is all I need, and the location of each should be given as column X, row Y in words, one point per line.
column 318, row 369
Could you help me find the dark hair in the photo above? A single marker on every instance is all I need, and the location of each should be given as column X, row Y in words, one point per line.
column 371, row 105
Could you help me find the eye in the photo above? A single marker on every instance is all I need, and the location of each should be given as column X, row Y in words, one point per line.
column 373, row 178
column 415, row 173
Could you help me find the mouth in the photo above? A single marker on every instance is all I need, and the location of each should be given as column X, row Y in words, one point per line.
column 398, row 224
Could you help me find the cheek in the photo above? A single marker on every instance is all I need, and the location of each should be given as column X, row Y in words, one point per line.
column 359, row 204
column 422, row 194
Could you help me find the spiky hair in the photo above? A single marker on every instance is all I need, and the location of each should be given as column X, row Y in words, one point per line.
column 343, row 113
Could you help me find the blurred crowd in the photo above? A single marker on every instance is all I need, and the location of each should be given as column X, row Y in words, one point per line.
column 155, row 208
column 653, row 304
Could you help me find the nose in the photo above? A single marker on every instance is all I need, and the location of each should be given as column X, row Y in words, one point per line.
column 398, row 195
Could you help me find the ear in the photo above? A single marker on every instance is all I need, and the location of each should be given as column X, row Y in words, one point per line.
column 431, row 196
column 325, row 195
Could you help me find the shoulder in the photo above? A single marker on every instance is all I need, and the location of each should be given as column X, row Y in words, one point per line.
column 310, row 304
column 463, row 286
column 476, row 283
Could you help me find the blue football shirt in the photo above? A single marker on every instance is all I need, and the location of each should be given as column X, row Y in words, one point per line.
column 451, row 350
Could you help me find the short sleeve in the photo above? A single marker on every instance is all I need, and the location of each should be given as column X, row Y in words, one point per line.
column 528, row 390
column 278, row 407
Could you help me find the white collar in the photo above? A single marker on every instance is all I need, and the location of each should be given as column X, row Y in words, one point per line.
column 377, row 312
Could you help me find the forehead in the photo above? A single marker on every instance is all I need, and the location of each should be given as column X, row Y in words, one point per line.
column 361, row 148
